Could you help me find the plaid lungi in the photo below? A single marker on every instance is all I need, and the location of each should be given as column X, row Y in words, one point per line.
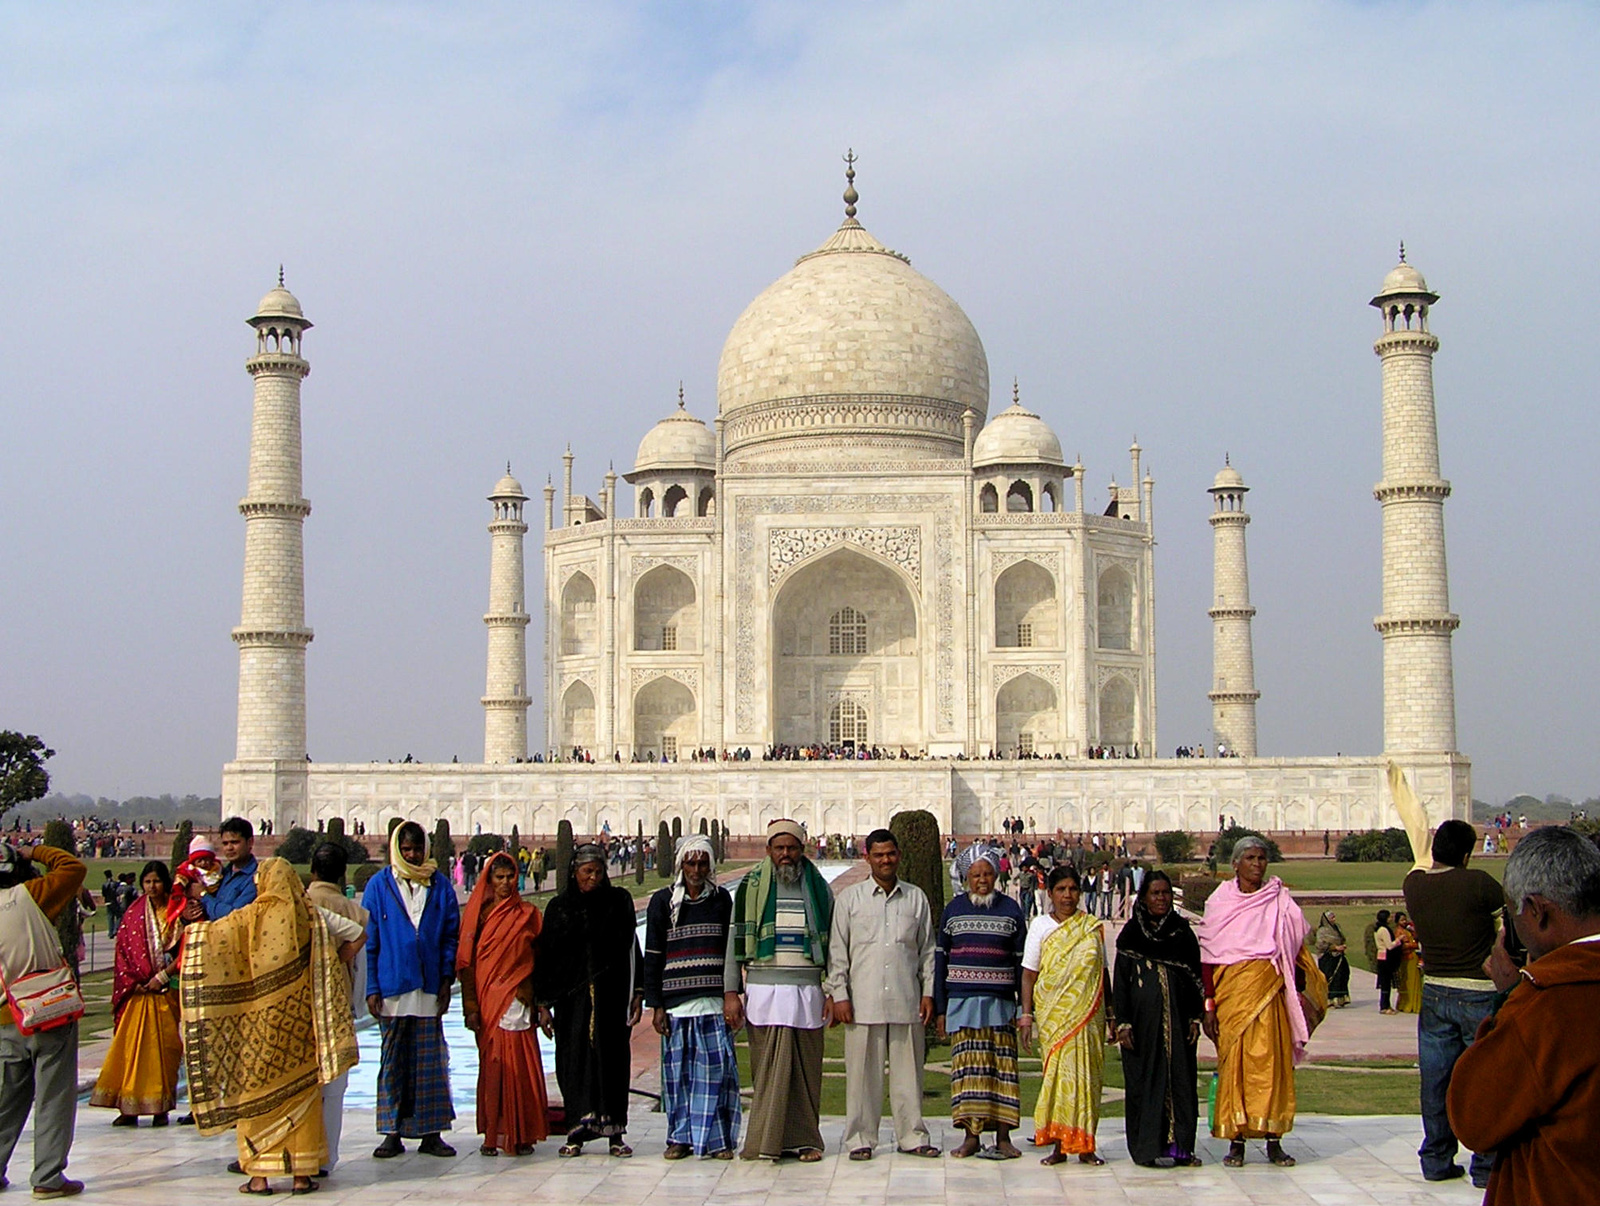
column 414, row 1078
column 700, row 1084
column 985, row 1093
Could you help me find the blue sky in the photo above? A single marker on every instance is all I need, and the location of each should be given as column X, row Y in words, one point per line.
column 516, row 226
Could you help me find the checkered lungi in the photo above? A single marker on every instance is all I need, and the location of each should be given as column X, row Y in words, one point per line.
column 985, row 1094
column 414, row 1078
column 700, row 1084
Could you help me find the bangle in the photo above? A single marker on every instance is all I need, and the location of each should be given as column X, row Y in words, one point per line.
column 1024, row 1016
column 1211, row 1005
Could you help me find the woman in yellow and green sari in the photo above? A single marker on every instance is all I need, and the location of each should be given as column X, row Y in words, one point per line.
column 1066, row 1002
column 266, row 1017
column 1408, row 968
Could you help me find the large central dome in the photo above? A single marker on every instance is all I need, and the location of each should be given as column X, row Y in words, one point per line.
column 850, row 355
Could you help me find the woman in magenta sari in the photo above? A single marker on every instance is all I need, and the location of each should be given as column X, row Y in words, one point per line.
column 140, row 1074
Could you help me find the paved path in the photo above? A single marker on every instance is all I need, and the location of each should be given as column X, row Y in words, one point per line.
column 1343, row 1162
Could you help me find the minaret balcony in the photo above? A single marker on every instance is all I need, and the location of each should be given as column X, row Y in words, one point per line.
column 250, row 508
column 282, row 638
column 1425, row 490
column 1435, row 625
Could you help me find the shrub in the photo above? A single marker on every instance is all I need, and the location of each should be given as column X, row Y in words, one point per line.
column 664, row 847
column 335, row 829
column 917, row 831
column 485, row 844
column 363, row 874
column 298, row 844
column 58, row 833
column 180, row 844
column 563, row 866
column 1375, row 846
column 638, row 856
column 1229, row 836
column 1174, row 846
column 1197, row 889
column 442, row 848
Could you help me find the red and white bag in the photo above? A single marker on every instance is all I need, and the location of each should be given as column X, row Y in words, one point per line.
column 45, row 1000
column 38, row 983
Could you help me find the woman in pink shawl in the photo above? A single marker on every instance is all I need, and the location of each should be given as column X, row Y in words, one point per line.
column 1263, row 997
column 140, row 1073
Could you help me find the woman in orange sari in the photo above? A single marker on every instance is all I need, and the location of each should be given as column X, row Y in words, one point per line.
column 495, row 964
column 140, row 1073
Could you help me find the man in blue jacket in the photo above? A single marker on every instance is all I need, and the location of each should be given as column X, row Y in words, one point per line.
column 413, row 922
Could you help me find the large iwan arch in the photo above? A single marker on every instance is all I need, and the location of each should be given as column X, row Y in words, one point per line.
column 845, row 626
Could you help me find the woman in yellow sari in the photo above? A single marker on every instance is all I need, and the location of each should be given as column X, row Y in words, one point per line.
column 140, row 1074
column 1408, row 969
column 266, row 1013
column 1066, row 1002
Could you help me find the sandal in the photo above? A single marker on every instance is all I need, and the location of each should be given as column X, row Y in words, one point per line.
column 1276, row 1155
column 1235, row 1156
column 725, row 1154
column 861, row 1153
column 486, row 1150
column 264, row 1192
column 524, row 1149
column 926, row 1150
column 810, row 1155
column 620, row 1149
column 308, row 1187
column 569, row 1150
column 677, row 1151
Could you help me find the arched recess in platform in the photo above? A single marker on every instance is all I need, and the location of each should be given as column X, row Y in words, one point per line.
column 845, row 627
column 665, row 721
column 577, row 717
column 1026, row 716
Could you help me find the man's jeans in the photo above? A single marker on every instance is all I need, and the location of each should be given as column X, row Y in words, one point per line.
column 39, row 1072
column 1445, row 1028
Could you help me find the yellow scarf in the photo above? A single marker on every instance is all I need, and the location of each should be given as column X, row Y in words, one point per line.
column 417, row 873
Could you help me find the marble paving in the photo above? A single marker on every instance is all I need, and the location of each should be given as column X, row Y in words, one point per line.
column 1342, row 1162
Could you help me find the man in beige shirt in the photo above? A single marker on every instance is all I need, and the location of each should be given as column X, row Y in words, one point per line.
column 880, row 979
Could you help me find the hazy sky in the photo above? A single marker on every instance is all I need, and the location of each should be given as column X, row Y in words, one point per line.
column 517, row 225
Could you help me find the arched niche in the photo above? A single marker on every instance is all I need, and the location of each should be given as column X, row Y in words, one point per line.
column 665, row 614
column 1025, row 607
column 1114, row 612
column 1019, row 496
column 708, row 502
column 577, row 717
column 647, row 503
column 989, row 499
column 1026, row 716
column 578, row 635
column 664, row 717
column 815, row 665
column 672, row 500
column 1117, row 700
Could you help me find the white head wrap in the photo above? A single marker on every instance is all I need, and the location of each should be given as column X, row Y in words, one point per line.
column 977, row 852
column 693, row 843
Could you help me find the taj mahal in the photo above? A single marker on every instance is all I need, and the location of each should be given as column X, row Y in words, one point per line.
column 854, row 558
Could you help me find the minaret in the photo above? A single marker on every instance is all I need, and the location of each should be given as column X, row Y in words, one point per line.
column 1233, row 692
column 272, row 635
column 1419, row 698
column 505, row 696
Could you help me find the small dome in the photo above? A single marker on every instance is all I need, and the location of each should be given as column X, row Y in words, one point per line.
column 1403, row 278
column 679, row 441
column 508, row 487
column 1228, row 479
column 1017, row 436
column 280, row 303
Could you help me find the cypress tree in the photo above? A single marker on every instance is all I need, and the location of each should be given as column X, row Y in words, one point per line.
column 388, row 837
column 716, row 840
column 677, row 832
column 664, row 851
column 180, row 844
column 704, row 831
column 917, row 831
column 563, row 854
column 638, row 855
column 442, row 848
column 336, row 831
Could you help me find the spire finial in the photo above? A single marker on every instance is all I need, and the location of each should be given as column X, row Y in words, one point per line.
column 1227, row 458
column 850, row 194
column 1016, row 396
column 280, row 274
column 1402, row 251
column 508, row 468
column 680, row 395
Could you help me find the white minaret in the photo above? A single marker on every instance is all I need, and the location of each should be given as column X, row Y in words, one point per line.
column 272, row 635
column 1233, row 692
column 1419, row 697
column 505, row 696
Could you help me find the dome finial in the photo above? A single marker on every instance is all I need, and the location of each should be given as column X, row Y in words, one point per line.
column 1402, row 251
column 850, row 194
column 508, row 468
column 280, row 274
column 680, row 395
column 1016, row 395
column 1227, row 458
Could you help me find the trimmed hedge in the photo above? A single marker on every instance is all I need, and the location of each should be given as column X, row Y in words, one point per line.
column 1375, row 846
column 1174, row 846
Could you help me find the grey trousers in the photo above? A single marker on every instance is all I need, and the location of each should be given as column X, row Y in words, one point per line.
column 866, row 1048
column 39, row 1073
column 333, row 1116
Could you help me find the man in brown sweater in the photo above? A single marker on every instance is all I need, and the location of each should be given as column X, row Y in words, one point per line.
column 1529, row 1087
column 38, row 1072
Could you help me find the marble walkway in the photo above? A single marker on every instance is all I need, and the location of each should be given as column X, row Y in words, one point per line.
column 1342, row 1161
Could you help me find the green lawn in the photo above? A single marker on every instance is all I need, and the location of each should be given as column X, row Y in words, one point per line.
column 1362, row 1089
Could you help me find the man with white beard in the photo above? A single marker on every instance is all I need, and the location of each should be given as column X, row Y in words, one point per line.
column 777, row 954
column 977, row 972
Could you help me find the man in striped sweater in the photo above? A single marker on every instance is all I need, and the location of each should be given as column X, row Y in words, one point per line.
column 977, row 969
column 685, row 943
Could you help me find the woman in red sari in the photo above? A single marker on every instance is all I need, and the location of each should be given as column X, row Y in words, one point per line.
column 495, row 964
column 140, row 1074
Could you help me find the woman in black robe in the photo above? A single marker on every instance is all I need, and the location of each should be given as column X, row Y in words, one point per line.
column 1159, row 1004
column 590, row 998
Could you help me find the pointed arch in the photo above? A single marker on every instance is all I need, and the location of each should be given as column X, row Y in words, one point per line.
column 666, row 613
column 578, row 633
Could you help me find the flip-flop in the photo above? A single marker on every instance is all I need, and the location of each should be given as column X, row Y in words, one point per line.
column 810, row 1155
column 994, row 1153
column 860, row 1153
column 926, row 1150
column 266, row 1191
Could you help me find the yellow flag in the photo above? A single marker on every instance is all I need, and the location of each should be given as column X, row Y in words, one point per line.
column 1412, row 816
